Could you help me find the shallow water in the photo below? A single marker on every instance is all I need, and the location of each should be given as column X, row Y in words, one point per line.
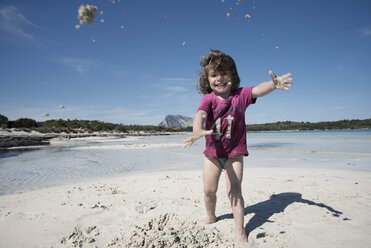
column 343, row 141
column 85, row 159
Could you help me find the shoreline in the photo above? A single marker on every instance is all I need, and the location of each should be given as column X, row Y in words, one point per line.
column 285, row 207
column 12, row 139
column 313, row 130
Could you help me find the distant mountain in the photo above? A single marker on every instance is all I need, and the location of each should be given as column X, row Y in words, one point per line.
column 177, row 121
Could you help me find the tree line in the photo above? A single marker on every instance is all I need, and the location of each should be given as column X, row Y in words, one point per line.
column 81, row 126
column 307, row 126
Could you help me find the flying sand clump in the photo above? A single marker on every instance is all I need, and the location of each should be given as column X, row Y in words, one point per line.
column 87, row 14
column 238, row 5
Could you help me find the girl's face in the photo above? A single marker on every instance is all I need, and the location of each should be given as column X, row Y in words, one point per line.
column 220, row 83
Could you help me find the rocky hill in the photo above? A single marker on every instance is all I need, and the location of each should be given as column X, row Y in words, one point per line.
column 177, row 121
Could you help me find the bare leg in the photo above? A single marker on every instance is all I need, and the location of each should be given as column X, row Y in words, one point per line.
column 234, row 174
column 211, row 174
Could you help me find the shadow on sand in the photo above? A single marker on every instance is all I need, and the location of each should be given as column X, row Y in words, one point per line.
column 276, row 204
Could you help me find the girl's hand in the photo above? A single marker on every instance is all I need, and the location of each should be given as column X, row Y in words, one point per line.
column 281, row 82
column 188, row 142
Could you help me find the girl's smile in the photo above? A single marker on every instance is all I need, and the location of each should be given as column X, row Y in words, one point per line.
column 220, row 83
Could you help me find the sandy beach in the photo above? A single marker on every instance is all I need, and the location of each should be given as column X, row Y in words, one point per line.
column 285, row 207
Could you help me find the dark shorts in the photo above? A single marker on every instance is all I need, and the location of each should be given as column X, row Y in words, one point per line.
column 222, row 161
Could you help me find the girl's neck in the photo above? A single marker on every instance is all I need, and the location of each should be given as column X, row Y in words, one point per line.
column 224, row 96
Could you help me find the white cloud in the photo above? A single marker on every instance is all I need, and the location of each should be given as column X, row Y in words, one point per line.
column 366, row 31
column 120, row 72
column 175, row 90
column 330, row 109
column 174, row 85
column 13, row 21
column 116, row 115
column 175, row 79
column 80, row 65
column 340, row 67
column 82, row 112
column 124, row 114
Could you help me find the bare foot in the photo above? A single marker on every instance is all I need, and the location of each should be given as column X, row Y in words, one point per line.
column 207, row 220
column 241, row 237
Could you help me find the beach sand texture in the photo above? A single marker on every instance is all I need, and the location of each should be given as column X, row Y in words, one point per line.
column 301, row 201
column 285, row 207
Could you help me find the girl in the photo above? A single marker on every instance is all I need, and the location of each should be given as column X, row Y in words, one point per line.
column 221, row 119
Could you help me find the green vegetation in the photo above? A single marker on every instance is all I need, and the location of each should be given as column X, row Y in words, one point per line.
column 23, row 123
column 82, row 126
column 305, row 126
column 3, row 121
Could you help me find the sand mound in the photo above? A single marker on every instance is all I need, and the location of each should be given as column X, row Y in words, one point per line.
column 81, row 236
column 170, row 230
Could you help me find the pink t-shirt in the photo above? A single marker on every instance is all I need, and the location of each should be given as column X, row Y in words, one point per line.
column 227, row 119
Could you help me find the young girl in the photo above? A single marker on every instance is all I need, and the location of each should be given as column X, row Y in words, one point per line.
column 221, row 118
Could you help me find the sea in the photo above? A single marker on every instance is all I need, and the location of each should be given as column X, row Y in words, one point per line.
column 85, row 159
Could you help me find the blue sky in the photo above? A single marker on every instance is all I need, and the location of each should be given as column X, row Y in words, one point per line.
column 138, row 73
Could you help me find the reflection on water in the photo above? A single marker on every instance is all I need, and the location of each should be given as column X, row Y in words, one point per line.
column 348, row 141
column 6, row 153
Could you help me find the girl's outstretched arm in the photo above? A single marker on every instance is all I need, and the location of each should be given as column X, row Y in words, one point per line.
column 277, row 82
column 198, row 129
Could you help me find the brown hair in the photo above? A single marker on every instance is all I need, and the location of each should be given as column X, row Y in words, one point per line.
column 220, row 62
